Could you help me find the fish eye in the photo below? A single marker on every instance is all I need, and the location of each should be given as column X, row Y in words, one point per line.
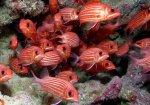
column 28, row 24
column 107, row 64
column 112, row 10
column 100, row 53
column 47, row 44
column 70, row 77
column 3, row 72
column 70, row 94
column 111, row 46
column 36, row 52
column 64, row 48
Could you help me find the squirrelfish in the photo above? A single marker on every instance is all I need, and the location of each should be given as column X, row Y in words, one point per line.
column 105, row 31
column 51, row 58
column 64, row 51
column 95, row 12
column 143, row 43
column 5, row 73
column 46, row 45
column 103, row 66
column 58, row 87
column 17, row 67
column 139, row 19
column 69, row 38
column 68, row 76
column 92, row 56
column 13, row 43
column 28, row 28
column 69, row 14
column 30, row 55
column 109, row 46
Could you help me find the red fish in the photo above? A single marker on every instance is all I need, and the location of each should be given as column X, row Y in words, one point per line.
column 109, row 46
column 91, row 56
column 28, row 28
column 104, row 32
column 123, row 49
column 143, row 62
column 68, row 76
column 46, row 45
column 138, row 20
column 64, row 51
column 69, row 38
column 53, row 6
column 17, row 67
column 95, row 12
column 58, row 22
column 2, row 102
column 103, row 66
column 58, row 87
column 69, row 14
column 13, row 43
column 51, row 58
column 30, row 55
column 5, row 73
column 143, row 43
column 43, row 32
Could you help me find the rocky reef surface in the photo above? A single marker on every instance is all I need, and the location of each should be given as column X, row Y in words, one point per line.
column 21, row 91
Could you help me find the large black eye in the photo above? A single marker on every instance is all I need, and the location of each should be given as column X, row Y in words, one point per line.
column 111, row 46
column 64, row 48
column 47, row 44
column 28, row 24
column 70, row 94
column 36, row 52
column 112, row 10
column 3, row 72
column 100, row 53
column 70, row 77
column 106, row 64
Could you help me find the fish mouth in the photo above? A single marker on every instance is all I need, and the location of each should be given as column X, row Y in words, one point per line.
column 72, row 100
column 39, row 57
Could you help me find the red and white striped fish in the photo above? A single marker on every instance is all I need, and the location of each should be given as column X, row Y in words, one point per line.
column 95, row 12
column 17, row 67
column 109, row 46
column 30, row 55
column 28, row 28
column 69, row 14
column 58, row 87
column 5, row 73
column 91, row 56
column 51, row 58
column 13, row 43
column 139, row 19
column 69, row 38
column 46, row 45
column 68, row 76
column 64, row 51
column 143, row 43
column 103, row 66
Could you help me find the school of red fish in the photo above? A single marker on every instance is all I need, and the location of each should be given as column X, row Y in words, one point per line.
column 57, row 41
